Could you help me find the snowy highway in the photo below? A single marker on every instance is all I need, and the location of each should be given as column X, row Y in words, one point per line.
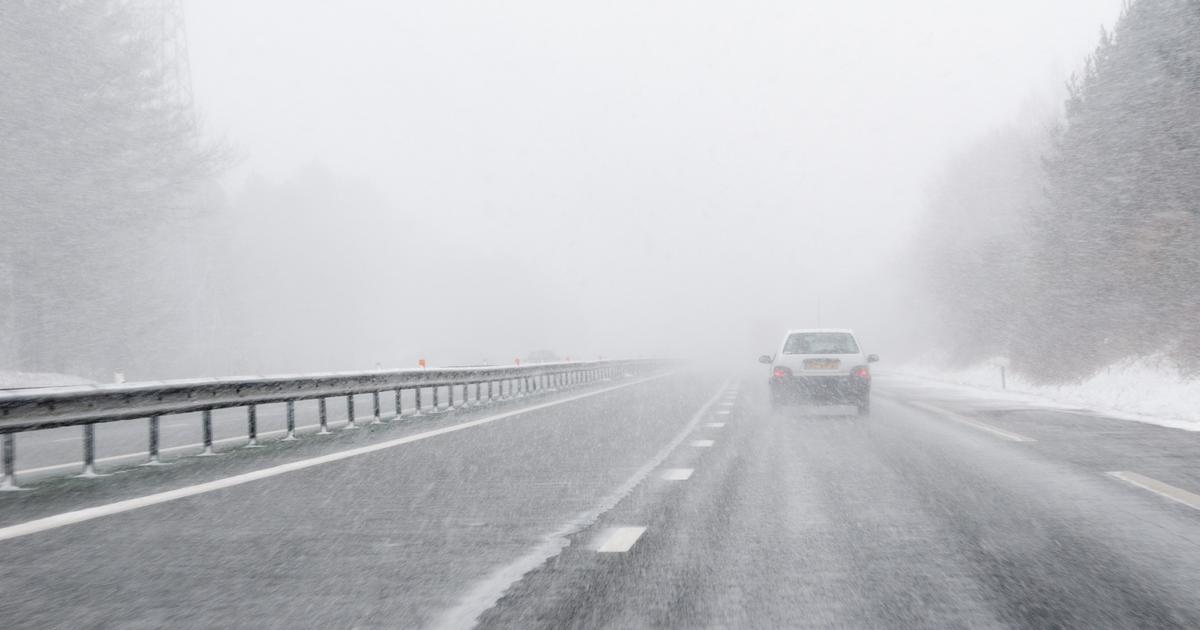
column 599, row 315
column 674, row 500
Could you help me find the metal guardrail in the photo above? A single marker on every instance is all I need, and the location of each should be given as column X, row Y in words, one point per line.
column 86, row 406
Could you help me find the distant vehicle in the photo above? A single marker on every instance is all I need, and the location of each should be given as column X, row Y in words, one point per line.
column 821, row 366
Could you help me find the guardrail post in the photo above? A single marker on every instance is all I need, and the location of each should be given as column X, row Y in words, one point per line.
column 466, row 395
column 478, row 391
column 291, row 421
column 89, row 451
column 490, row 390
column 153, row 450
column 9, row 480
column 450, row 397
column 322, row 416
column 206, row 431
column 399, row 393
column 375, row 408
column 350, row 413
column 252, row 426
column 417, row 412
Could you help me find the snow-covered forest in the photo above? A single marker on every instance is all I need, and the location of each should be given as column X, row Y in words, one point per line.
column 103, row 188
column 1071, row 242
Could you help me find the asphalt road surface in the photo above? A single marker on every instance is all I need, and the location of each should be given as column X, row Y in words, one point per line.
column 677, row 501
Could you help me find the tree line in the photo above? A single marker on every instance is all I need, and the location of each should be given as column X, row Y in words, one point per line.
column 1073, row 243
column 101, row 173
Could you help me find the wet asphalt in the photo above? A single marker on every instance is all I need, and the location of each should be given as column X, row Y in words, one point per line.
column 935, row 511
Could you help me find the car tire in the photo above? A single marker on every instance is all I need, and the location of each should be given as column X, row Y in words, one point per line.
column 864, row 407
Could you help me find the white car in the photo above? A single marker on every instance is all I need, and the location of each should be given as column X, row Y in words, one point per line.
column 821, row 365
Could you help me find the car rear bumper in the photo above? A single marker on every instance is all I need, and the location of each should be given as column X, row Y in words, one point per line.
column 821, row 388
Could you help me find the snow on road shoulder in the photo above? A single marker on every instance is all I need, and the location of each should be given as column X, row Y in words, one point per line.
column 19, row 380
column 1150, row 390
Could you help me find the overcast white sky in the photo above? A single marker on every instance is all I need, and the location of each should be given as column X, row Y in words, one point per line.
column 698, row 146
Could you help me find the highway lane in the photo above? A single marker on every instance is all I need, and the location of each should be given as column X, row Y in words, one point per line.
column 387, row 539
column 908, row 519
column 676, row 502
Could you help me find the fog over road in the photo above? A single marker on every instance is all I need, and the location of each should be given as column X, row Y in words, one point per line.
column 678, row 500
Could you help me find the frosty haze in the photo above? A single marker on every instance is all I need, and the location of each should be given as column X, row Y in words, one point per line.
column 470, row 181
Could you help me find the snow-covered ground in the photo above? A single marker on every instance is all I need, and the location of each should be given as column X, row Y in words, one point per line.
column 1148, row 390
column 17, row 380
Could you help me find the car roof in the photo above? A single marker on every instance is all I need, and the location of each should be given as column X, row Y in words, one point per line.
column 820, row 330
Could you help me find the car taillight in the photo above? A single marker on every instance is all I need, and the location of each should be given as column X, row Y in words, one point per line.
column 861, row 371
column 782, row 372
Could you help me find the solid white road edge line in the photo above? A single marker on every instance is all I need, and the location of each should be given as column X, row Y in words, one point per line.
column 621, row 540
column 87, row 514
column 975, row 424
column 489, row 590
column 1157, row 487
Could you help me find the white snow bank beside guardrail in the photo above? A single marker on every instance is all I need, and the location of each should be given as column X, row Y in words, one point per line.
column 1150, row 389
column 22, row 380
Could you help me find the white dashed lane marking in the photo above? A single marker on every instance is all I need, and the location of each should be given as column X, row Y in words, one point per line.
column 677, row 474
column 621, row 539
column 702, row 443
column 715, row 425
column 723, row 412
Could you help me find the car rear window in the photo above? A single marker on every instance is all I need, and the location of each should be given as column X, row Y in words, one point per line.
column 820, row 343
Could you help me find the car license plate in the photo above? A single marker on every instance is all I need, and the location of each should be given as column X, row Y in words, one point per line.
column 822, row 364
